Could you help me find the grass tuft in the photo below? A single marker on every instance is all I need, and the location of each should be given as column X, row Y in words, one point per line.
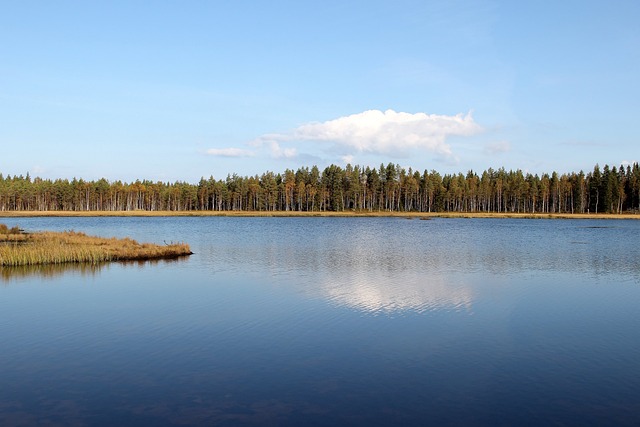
column 74, row 247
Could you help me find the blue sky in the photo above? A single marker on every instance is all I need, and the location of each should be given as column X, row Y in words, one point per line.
column 171, row 90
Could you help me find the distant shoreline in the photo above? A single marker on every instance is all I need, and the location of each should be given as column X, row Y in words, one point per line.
column 344, row 214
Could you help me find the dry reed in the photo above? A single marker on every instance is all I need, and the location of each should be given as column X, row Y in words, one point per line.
column 74, row 247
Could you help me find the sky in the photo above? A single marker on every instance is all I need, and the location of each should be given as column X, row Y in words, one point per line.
column 180, row 90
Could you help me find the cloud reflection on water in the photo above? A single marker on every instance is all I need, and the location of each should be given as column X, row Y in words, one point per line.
column 362, row 277
column 373, row 293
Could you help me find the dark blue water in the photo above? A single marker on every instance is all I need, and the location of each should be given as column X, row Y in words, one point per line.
column 330, row 321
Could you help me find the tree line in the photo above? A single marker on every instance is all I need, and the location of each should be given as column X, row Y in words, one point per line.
column 387, row 188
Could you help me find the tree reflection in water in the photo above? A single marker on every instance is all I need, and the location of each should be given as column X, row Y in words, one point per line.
column 53, row 271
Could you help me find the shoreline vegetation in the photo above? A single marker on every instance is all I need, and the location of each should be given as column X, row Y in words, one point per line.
column 18, row 248
column 302, row 214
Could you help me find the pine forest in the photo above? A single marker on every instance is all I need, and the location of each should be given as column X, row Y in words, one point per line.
column 387, row 188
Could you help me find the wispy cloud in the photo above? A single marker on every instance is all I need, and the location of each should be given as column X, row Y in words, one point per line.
column 278, row 152
column 347, row 159
column 497, row 147
column 579, row 143
column 38, row 170
column 381, row 132
column 230, row 152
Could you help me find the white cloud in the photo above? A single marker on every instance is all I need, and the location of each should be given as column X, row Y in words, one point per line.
column 230, row 152
column 347, row 159
column 626, row 163
column 282, row 153
column 387, row 132
column 498, row 147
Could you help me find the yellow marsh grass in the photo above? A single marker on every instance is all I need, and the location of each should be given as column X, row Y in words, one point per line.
column 70, row 246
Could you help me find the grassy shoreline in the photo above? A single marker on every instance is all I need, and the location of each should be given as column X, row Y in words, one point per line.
column 26, row 214
column 42, row 248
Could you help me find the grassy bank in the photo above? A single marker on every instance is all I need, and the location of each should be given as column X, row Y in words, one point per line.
column 18, row 248
column 21, row 214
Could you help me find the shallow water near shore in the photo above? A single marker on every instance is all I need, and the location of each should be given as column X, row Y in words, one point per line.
column 330, row 321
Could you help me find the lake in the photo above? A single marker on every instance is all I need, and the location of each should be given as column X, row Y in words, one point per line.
column 330, row 321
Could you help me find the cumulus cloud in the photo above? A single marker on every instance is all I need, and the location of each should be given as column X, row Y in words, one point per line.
column 498, row 147
column 230, row 152
column 383, row 132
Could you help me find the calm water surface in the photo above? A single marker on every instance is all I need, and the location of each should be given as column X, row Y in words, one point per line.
column 330, row 321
